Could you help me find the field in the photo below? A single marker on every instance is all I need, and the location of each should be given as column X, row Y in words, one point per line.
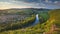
column 18, row 21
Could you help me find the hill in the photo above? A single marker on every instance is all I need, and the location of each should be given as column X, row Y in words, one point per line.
column 54, row 22
column 17, row 27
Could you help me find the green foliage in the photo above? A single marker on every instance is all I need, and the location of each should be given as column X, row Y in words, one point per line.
column 19, row 26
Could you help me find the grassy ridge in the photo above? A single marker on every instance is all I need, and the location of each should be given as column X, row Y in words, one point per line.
column 55, row 14
column 52, row 26
column 37, row 29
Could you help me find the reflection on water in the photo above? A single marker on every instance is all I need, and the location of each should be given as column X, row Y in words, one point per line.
column 37, row 20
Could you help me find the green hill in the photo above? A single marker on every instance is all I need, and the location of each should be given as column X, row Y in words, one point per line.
column 52, row 25
column 55, row 15
column 37, row 29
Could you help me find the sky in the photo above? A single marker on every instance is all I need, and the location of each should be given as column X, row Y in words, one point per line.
column 48, row 4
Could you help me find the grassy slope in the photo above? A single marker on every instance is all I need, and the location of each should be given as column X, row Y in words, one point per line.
column 53, row 24
column 28, row 14
column 55, row 14
column 37, row 29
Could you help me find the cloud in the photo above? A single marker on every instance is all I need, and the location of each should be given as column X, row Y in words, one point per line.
column 56, row 2
column 18, row 4
column 28, row 0
column 6, row 5
column 46, row 1
column 29, row 3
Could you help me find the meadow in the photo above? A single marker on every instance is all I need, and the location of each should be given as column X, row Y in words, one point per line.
column 49, row 21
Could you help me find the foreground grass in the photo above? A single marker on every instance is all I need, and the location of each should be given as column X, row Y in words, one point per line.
column 39, row 28
column 28, row 30
column 53, row 24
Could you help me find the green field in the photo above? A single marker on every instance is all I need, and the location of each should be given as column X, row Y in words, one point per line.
column 47, row 18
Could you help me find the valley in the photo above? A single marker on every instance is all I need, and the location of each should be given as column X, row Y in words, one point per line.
column 27, row 20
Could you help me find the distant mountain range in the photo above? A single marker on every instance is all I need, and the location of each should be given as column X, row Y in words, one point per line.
column 25, row 8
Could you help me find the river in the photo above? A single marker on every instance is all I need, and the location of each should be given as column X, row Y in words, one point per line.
column 36, row 21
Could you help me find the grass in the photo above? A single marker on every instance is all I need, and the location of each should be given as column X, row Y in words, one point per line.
column 41, row 27
column 37, row 29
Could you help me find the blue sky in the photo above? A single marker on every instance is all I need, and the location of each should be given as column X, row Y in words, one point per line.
column 49, row 4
